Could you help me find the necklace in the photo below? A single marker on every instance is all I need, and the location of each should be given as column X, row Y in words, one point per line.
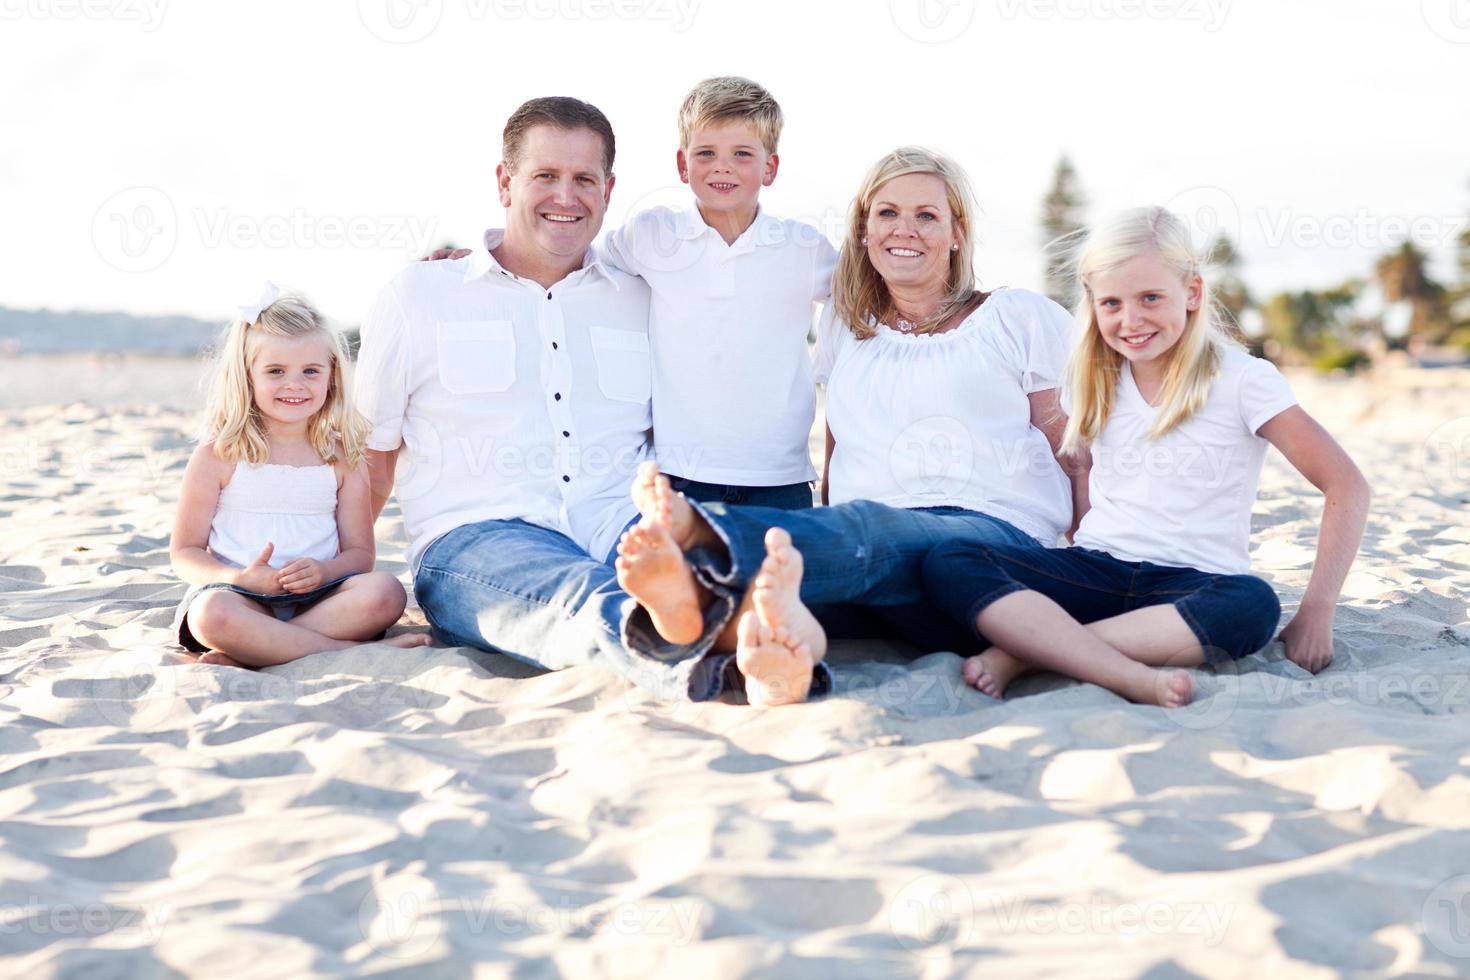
column 902, row 323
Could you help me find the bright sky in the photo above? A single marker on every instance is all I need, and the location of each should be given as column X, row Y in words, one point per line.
column 165, row 156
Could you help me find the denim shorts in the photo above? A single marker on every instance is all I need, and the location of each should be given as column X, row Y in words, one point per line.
column 1231, row 615
column 284, row 605
column 792, row 496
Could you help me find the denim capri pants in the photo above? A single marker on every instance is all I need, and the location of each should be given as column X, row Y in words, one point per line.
column 1231, row 615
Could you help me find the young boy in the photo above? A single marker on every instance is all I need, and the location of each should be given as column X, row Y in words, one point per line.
column 733, row 288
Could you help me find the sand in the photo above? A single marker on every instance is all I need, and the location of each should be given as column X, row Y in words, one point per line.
column 413, row 812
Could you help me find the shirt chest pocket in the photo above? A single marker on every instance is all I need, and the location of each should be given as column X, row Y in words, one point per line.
column 477, row 356
column 624, row 368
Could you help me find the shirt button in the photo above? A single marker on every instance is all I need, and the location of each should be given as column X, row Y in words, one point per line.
column 548, row 296
column 566, row 479
column 557, row 396
column 553, row 345
column 566, row 433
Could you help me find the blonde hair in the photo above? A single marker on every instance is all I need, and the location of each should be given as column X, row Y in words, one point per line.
column 860, row 295
column 728, row 97
column 1092, row 372
column 234, row 422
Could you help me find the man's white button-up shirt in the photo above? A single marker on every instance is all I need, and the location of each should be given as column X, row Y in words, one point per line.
column 509, row 399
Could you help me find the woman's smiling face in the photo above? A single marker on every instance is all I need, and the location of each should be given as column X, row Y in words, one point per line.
column 910, row 231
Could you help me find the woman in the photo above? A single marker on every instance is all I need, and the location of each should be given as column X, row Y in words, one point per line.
column 943, row 425
column 940, row 397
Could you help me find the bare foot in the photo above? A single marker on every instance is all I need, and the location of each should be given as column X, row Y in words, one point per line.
column 660, row 506
column 1174, row 688
column 778, row 666
column 651, row 568
column 221, row 659
column 409, row 640
column 991, row 672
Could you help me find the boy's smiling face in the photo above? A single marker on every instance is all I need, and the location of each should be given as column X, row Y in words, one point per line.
column 726, row 166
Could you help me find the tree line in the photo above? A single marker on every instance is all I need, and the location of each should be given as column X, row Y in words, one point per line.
column 1327, row 328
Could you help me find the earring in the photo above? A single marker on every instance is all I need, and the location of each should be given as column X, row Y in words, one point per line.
column 954, row 248
column 865, row 239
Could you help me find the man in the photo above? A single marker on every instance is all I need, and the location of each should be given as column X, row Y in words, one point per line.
column 509, row 395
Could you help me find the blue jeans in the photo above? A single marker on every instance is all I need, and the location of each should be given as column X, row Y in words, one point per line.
column 531, row 593
column 1230, row 615
column 792, row 496
column 855, row 554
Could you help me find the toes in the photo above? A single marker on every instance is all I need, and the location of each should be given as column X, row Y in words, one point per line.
column 971, row 671
column 747, row 630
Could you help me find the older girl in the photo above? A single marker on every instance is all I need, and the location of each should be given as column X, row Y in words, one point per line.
column 1178, row 418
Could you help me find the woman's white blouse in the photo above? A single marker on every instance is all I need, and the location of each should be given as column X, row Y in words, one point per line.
column 293, row 507
column 943, row 420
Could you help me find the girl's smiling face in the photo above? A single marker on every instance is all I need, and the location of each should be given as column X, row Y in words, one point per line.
column 290, row 377
column 1142, row 306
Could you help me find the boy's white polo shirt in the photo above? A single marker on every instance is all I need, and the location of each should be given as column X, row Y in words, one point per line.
column 733, row 396
column 509, row 400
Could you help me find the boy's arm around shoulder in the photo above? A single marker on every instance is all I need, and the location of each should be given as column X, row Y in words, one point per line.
column 1318, row 457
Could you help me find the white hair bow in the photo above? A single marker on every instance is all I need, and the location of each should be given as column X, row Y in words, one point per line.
column 269, row 293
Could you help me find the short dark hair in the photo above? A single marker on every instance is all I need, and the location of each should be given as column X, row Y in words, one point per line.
column 559, row 111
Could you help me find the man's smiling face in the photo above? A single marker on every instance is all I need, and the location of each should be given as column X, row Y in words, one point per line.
column 557, row 196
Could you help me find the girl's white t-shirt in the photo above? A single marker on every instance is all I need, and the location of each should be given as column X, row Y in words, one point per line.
column 1186, row 498
column 943, row 420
